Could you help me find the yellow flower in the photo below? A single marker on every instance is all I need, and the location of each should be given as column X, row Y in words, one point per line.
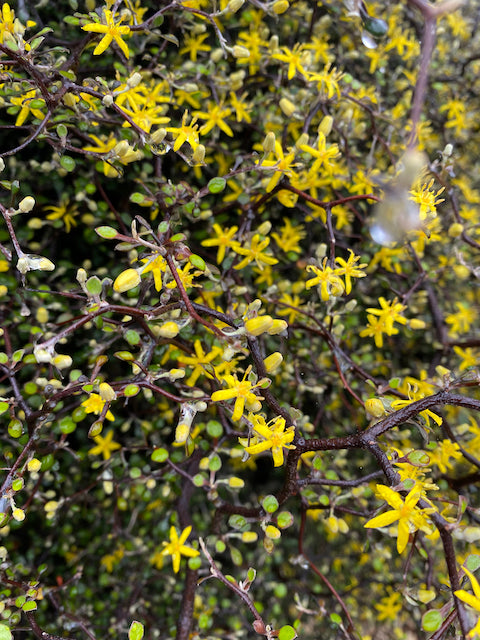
column 223, row 240
column 272, row 435
column 406, row 513
column 472, row 600
column 111, row 30
column 176, row 547
column 24, row 103
column 64, row 212
column 241, row 390
column 94, row 404
column 254, row 252
column 104, row 446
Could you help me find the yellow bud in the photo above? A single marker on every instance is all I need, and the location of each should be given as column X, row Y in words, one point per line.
column 3, row 290
column 273, row 361
column 263, row 230
column 18, row 515
column 342, row 525
column 249, row 536
column 62, row 361
column 332, row 524
column 236, row 483
column 455, row 230
column 415, row 323
column 198, row 156
column 272, row 532
column 235, row 5
column 134, row 80
column 26, row 204
column 302, row 140
column 278, row 326
column 107, row 393
column 374, row 407
column 182, row 432
column 34, row 464
column 168, row 330
column 158, row 136
column 69, row 99
column 257, row 326
column 426, row 595
column 42, row 315
column 35, row 223
column 280, row 6
column 51, row 506
column 442, row 371
column 461, row 271
column 287, row 107
column 240, row 52
column 269, row 142
column 325, row 125
column 176, row 374
column 127, row 280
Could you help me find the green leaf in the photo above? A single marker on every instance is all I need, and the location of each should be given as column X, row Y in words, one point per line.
column 159, row 455
column 67, row 163
column 5, row 633
column 131, row 390
column 106, row 232
column 31, row 605
column 214, row 428
column 124, row 355
column 284, row 519
column 132, row 337
column 376, row 27
column 62, row 131
column 418, row 458
column 216, row 185
column 472, row 562
column 94, row 286
column 432, row 620
column 335, row 618
column 251, row 574
column 270, row 504
column 136, row 631
column 215, row 462
column 237, row 522
column 287, row 632
column 197, row 262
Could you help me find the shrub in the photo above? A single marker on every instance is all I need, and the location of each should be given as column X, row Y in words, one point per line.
column 239, row 304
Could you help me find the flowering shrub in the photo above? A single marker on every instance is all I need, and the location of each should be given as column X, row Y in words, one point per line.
column 240, row 248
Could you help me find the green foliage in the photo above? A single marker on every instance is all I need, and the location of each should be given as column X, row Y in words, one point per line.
column 270, row 378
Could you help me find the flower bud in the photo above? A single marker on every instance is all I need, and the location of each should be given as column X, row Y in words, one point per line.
column 107, row 100
column 269, row 142
column 18, row 515
column 455, row 230
column 168, row 330
column 280, row 6
column 235, row 5
column 257, row 326
column 240, row 52
column 414, row 323
column 273, row 361
column 325, row 125
column 278, row 326
column 34, row 464
column 287, row 107
column 134, row 80
column 127, row 280
column 62, row 361
column 198, row 156
column 26, row 204
column 374, row 407
column 107, row 393
column 42, row 315
column 158, row 136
